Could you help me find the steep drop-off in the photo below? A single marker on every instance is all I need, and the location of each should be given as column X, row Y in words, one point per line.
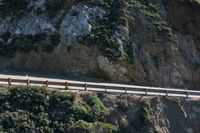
column 31, row 110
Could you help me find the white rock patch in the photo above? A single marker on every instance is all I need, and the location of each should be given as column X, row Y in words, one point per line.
column 33, row 25
column 78, row 22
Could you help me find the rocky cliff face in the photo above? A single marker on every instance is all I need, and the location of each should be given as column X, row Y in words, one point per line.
column 142, row 42
column 155, row 114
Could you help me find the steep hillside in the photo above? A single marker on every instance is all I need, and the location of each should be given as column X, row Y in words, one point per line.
column 30, row 110
column 148, row 42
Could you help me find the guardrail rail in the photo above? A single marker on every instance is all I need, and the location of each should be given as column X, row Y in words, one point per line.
column 113, row 88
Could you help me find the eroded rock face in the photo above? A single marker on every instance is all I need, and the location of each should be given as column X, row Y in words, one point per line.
column 77, row 22
column 184, row 18
column 3, row 27
column 163, row 115
column 153, row 57
column 33, row 25
column 29, row 24
column 61, row 60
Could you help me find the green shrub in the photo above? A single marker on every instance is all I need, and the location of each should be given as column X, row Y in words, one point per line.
column 142, row 119
column 123, row 21
column 81, row 112
column 96, row 105
column 19, row 121
column 3, row 97
column 85, row 127
column 144, row 115
column 90, row 110
column 30, row 109
column 25, row 44
column 26, row 99
column 152, row 12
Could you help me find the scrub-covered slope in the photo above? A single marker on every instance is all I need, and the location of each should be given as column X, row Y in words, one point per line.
column 30, row 110
column 153, row 42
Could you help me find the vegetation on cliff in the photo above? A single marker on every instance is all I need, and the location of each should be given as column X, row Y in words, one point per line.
column 31, row 109
column 38, row 110
column 103, row 30
column 151, row 42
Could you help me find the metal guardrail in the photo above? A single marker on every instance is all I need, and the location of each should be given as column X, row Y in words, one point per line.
column 114, row 88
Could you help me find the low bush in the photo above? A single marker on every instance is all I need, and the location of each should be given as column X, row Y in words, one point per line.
column 142, row 119
column 25, row 44
column 30, row 109
column 85, row 127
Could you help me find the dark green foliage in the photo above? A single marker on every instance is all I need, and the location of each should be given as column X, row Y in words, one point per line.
column 29, row 109
column 81, row 112
column 123, row 21
column 90, row 110
column 103, row 30
column 5, row 36
column 129, row 54
column 53, row 6
column 19, row 121
column 54, row 41
column 85, row 127
column 12, row 6
column 26, row 99
column 142, row 119
column 3, row 97
column 25, row 44
column 144, row 115
column 97, row 107
column 152, row 12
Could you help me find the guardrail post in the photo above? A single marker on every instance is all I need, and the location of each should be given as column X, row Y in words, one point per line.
column 66, row 86
column 9, row 81
column 47, row 83
column 28, row 81
column 167, row 93
column 85, row 86
column 125, row 90
column 187, row 94
column 105, row 88
column 146, row 92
